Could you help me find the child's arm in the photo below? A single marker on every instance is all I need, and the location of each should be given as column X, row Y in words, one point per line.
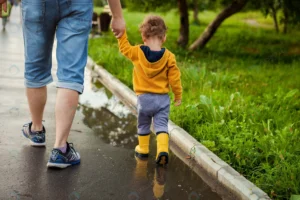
column 125, row 47
column 174, row 80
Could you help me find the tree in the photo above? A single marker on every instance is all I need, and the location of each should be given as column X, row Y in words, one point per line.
column 291, row 13
column 290, row 10
column 271, row 7
column 274, row 7
column 184, row 23
column 234, row 7
column 196, row 12
column 285, row 19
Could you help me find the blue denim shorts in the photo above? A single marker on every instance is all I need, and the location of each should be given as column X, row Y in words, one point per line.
column 156, row 107
column 70, row 21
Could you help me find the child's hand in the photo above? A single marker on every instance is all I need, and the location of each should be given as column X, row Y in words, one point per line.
column 177, row 102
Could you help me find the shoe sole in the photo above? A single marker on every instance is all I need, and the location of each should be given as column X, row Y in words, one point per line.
column 61, row 165
column 33, row 143
column 162, row 159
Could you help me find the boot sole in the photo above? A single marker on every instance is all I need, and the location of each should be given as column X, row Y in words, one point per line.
column 162, row 159
column 141, row 155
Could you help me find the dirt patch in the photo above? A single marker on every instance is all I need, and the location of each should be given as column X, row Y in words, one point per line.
column 294, row 50
column 253, row 22
column 251, row 50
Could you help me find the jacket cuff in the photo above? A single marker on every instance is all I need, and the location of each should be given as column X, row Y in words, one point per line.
column 123, row 36
column 178, row 96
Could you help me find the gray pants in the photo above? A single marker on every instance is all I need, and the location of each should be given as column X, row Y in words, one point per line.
column 156, row 106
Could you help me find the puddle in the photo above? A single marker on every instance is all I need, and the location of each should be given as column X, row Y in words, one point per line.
column 107, row 116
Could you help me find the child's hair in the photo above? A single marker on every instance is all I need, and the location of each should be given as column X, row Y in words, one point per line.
column 152, row 26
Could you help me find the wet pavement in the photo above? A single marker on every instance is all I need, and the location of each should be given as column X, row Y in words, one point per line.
column 103, row 131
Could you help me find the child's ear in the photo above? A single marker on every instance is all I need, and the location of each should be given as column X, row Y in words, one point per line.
column 143, row 38
column 165, row 38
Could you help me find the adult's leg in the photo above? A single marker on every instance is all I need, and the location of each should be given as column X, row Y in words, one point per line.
column 38, row 42
column 37, row 98
column 66, row 104
column 72, row 38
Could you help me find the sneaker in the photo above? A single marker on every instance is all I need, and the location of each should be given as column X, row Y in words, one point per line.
column 62, row 160
column 36, row 138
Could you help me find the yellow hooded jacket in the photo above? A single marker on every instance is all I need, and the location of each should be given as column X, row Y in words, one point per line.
column 152, row 77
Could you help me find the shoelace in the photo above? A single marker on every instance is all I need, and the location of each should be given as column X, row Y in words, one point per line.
column 71, row 146
column 27, row 125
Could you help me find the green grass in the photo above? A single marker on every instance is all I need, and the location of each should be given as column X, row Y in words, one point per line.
column 241, row 94
column 98, row 10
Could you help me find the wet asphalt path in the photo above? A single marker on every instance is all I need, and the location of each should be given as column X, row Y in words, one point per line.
column 104, row 132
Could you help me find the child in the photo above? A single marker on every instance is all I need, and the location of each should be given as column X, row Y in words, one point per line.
column 155, row 70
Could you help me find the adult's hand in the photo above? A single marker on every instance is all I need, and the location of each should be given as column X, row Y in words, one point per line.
column 3, row 3
column 118, row 26
column 118, row 22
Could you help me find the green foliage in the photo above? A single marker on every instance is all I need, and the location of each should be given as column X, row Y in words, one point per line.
column 100, row 3
column 295, row 197
column 241, row 94
column 293, row 7
column 204, row 4
column 150, row 5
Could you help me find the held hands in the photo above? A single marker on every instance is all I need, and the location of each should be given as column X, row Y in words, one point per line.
column 177, row 102
column 4, row 4
column 117, row 26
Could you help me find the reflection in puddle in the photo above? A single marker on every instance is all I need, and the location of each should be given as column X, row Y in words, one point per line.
column 107, row 116
column 148, row 185
column 118, row 131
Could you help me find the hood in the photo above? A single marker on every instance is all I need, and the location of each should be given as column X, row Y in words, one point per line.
column 151, row 69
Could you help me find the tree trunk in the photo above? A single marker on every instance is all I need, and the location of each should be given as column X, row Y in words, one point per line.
column 233, row 8
column 274, row 15
column 184, row 23
column 286, row 20
column 196, row 11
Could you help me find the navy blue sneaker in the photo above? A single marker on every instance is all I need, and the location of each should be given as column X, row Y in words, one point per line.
column 62, row 160
column 36, row 138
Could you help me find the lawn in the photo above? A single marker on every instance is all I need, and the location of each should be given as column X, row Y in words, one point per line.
column 241, row 93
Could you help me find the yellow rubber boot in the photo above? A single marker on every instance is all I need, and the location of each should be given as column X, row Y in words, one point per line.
column 162, row 156
column 142, row 150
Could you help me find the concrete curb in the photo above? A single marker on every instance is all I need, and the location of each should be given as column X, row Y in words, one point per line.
column 211, row 163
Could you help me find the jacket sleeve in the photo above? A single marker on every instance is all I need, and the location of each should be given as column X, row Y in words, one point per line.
column 126, row 48
column 174, row 78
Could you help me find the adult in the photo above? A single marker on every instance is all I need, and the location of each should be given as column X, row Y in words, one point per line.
column 3, row 6
column 5, row 17
column 70, row 21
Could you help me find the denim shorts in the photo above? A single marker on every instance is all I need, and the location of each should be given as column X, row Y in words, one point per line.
column 70, row 21
column 156, row 107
